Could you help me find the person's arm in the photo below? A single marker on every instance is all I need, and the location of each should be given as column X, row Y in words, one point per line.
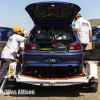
column 76, row 26
column 20, row 38
column 75, row 29
column 90, row 34
column 21, row 48
column 25, row 39
column 93, row 45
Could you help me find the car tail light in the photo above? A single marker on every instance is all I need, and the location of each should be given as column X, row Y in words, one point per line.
column 92, row 78
column 12, row 77
column 76, row 46
column 30, row 46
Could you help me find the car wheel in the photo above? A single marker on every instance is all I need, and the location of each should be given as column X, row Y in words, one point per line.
column 93, row 86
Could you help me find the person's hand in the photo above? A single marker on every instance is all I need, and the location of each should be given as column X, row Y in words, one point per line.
column 16, row 59
column 17, row 55
column 25, row 39
column 90, row 40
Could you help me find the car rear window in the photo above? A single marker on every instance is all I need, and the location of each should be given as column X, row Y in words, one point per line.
column 5, row 33
column 53, row 11
column 54, row 34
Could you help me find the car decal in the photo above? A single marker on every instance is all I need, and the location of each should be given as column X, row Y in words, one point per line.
column 85, row 24
column 10, row 40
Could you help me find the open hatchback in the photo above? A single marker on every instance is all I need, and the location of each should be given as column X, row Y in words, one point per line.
column 52, row 43
column 52, row 12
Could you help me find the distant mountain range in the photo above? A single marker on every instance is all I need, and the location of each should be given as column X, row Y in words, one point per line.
column 95, row 22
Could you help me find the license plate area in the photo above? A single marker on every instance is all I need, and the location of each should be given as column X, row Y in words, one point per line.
column 52, row 60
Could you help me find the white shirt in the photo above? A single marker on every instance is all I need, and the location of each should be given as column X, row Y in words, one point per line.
column 24, row 32
column 83, row 30
column 11, row 48
column 21, row 45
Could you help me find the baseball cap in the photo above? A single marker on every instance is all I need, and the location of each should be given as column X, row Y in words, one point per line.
column 78, row 15
column 16, row 29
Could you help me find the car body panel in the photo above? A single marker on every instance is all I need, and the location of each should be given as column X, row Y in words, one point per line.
column 42, row 59
column 94, row 54
column 52, row 12
column 63, row 58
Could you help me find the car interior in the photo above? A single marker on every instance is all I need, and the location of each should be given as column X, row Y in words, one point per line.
column 52, row 36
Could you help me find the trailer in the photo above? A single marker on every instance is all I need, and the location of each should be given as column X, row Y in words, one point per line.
column 88, row 76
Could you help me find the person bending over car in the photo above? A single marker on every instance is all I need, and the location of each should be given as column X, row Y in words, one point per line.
column 10, row 51
column 83, row 29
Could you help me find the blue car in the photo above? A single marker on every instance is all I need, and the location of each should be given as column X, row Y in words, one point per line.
column 52, row 43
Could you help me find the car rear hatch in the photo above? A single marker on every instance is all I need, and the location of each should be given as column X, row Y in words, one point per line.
column 52, row 38
column 52, row 12
column 52, row 46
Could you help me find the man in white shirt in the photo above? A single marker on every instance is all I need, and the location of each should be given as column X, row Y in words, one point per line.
column 10, row 51
column 83, row 29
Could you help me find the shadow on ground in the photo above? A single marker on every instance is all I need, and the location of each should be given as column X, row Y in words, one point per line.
column 58, row 91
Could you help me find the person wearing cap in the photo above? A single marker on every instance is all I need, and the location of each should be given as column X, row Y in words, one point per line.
column 10, row 51
column 83, row 29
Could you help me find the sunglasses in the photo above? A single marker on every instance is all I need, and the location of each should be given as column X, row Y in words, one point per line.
column 18, row 31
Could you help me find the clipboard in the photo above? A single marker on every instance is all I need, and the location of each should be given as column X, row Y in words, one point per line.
column 89, row 46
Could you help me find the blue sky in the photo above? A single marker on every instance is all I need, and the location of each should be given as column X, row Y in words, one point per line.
column 13, row 13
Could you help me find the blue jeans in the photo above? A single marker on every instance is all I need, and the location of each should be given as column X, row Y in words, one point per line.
column 4, row 68
column 84, row 46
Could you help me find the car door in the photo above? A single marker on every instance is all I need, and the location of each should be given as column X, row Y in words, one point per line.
column 2, row 45
column 94, row 53
column 4, row 35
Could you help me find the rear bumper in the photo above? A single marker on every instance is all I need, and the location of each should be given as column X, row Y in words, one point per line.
column 41, row 60
column 52, row 82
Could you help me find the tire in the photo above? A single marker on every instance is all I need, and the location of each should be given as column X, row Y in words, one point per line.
column 79, row 69
column 92, row 89
column 93, row 86
column 14, row 86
